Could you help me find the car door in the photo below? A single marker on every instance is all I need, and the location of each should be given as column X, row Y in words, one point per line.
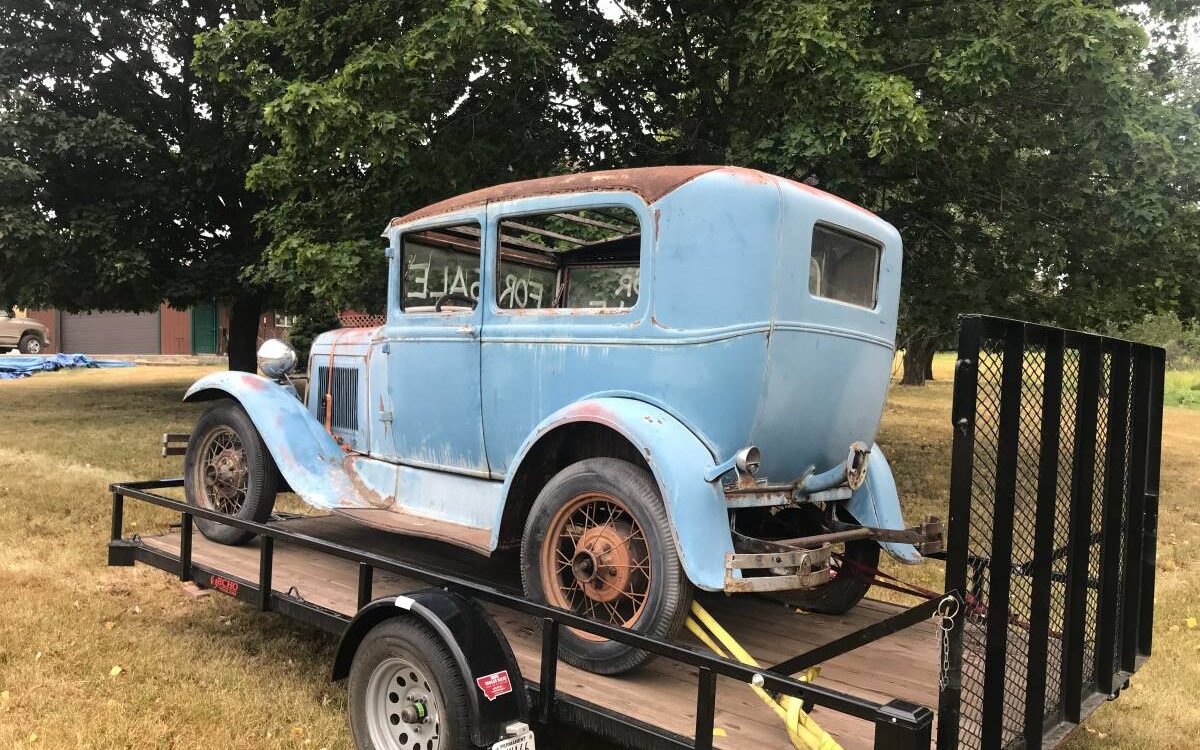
column 431, row 342
column 563, row 305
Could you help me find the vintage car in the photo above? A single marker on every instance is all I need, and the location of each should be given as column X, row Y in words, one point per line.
column 647, row 381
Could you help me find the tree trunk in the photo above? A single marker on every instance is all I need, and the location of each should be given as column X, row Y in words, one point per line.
column 929, row 360
column 917, row 361
column 243, row 332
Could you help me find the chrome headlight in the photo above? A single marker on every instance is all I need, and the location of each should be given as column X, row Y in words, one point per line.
column 276, row 358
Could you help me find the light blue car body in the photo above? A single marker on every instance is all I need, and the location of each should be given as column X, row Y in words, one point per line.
column 724, row 348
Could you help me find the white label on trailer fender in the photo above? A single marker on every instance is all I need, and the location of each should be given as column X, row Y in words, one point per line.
column 522, row 741
column 403, row 602
column 495, row 685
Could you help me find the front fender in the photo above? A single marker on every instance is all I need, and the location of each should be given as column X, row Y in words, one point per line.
column 677, row 459
column 314, row 465
column 877, row 504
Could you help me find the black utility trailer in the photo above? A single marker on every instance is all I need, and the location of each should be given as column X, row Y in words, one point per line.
column 1047, row 612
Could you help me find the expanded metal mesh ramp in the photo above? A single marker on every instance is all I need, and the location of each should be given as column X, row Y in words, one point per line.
column 1052, row 532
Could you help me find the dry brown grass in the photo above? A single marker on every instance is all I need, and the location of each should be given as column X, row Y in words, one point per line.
column 210, row 672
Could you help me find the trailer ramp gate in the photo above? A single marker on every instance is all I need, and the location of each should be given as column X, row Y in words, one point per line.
column 1052, row 530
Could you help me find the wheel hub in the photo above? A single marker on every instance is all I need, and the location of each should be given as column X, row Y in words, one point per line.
column 403, row 711
column 227, row 470
column 223, row 470
column 603, row 560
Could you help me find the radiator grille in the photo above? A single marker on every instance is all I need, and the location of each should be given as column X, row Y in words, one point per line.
column 343, row 389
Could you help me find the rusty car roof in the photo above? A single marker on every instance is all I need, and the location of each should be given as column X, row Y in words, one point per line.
column 651, row 183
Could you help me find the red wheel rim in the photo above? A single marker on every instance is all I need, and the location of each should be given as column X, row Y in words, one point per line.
column 596, row 561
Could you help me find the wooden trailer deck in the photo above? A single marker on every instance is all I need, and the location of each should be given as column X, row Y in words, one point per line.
column 662, row 695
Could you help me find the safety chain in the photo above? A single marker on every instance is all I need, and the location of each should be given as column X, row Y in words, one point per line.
column 947, row 610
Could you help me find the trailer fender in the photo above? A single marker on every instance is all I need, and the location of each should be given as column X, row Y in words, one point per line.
column 677, row 459
column 495, row 688
column 877, row 504
column 308, row 458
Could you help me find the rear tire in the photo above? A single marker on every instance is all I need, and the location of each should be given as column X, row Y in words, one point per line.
column 598, row 542
column 227, row 468
column 31, row 344
column 849, row 587
column 399, row 664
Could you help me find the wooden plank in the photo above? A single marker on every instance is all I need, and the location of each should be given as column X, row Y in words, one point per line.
column 663, row 693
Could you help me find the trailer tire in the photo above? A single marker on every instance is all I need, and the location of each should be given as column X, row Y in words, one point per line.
column 844, row 592
column 399, row 664
column 252, row 469
column 634, row 506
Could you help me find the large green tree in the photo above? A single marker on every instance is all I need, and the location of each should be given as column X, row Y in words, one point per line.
column 122, row 172
column 378, row 107
column 1038, row 157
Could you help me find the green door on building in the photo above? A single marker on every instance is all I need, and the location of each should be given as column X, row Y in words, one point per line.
column 204, row 328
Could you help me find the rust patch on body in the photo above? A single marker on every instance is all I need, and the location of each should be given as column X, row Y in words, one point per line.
column 363, row 489
column 355, row 335
column 393, row 519
column 650, row 183
column 821, row 193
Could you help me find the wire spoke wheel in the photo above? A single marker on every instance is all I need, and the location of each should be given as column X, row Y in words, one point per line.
column 403, row 710
column 596, row 561
column 227, row 469
column 223, row 472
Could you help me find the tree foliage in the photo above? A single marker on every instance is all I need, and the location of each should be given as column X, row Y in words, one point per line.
column 122, row 173
column 1039, row 158
column 379, row 107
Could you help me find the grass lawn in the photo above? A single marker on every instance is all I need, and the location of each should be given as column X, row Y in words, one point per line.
column 93, row 657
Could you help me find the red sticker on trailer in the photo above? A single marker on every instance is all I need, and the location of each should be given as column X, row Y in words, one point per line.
column 224, row 585
column 494, row 685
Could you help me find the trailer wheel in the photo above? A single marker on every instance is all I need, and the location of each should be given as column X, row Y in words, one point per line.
column 227, row 468
column 406, row 691
column 849, row 587
column 598, row 542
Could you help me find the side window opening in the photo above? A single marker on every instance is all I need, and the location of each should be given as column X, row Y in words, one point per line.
column 582, row 259
column 440, row 269
column 844, row 267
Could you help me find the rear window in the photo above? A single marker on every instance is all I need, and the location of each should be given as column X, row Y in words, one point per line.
column 844, row 267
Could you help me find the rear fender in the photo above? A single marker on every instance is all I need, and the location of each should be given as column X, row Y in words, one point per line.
column 877, row 504
column 677, row 459
column 310, row 460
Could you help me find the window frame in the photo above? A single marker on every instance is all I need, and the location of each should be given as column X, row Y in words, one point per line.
column 566, row 203
column 880, row 248
column 401, row 274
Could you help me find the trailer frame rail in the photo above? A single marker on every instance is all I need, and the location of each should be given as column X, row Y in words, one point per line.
column 899, row 724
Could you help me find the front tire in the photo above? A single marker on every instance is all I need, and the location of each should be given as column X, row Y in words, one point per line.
column 227, row 468
column 598, row 542
column 30, row 344
column 406, row 691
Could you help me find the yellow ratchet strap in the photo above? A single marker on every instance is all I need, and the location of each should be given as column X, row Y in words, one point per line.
column 804, row 733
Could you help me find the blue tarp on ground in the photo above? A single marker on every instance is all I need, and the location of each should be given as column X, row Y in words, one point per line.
column 12, row 368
